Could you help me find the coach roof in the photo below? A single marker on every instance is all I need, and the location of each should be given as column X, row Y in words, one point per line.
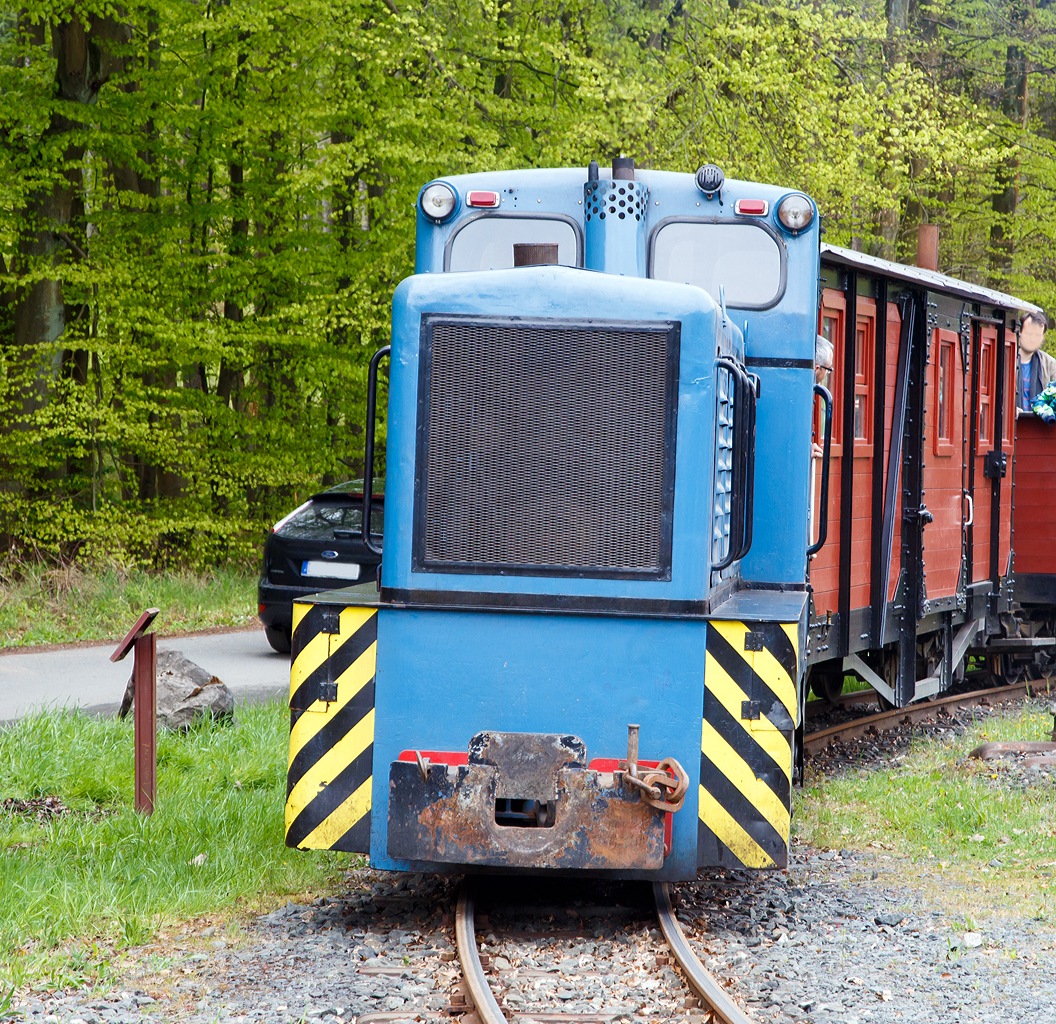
column 929, row 278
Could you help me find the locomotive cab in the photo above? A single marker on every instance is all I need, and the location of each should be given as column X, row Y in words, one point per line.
column 586, row 652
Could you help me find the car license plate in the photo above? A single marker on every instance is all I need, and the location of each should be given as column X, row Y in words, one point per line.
column 331, row 570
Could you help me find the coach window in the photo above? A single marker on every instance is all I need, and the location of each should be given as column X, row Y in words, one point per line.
column 986, row 389
column 1011, row 356
column 830, row 327
column 744, row 260
column 486, row 242
column 863, row 380
column 945, row 398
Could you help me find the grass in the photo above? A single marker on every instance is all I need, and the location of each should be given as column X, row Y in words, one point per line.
column 982, row 845
column 78, row 889
column 42, row 605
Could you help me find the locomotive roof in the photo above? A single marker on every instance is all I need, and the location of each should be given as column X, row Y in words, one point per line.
column 930, row 278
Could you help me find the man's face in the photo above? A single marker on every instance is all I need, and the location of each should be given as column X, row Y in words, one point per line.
column 1031, row 336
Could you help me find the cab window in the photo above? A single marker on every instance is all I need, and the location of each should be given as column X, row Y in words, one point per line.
column 744, row 259
column 487, row 243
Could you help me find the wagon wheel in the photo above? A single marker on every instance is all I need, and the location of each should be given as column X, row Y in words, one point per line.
column 890, row 674
column 1044, row 664
column 828, row 686
column 1012, row 671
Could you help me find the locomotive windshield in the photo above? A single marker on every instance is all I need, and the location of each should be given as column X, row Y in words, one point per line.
column 744, row 259
column 486, row 243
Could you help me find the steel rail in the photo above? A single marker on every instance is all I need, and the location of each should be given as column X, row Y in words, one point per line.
column 917, row 712
column 705, row 985
column 480, row 993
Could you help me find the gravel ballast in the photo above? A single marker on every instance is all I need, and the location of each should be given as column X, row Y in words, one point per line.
column 823, row 942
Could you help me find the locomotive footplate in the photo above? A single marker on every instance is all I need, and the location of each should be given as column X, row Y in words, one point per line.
column 519, row 800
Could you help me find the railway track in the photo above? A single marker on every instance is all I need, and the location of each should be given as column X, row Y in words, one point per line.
column 488, row 1010
column 481, row 1005
column 919, row 712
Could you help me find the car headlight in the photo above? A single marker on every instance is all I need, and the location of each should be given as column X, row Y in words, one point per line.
column 795, row 212
column 438, row 201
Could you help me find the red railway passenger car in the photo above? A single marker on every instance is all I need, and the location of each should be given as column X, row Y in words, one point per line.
column 1034, row 522
column 916, row 567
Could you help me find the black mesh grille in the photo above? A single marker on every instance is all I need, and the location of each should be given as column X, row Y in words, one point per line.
column 546, row 447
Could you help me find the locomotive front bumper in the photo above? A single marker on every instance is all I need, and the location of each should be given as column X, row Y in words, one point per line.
column 524, row 800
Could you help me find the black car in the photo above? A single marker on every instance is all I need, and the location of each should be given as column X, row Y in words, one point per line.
column 318, row 546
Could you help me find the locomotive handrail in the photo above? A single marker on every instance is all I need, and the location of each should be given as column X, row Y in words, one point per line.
column 754, row 387
column 368, row 448
column 823, row 521
column 742, row 485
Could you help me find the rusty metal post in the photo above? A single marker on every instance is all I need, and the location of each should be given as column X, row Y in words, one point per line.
column 145, row 674
column 144, row 647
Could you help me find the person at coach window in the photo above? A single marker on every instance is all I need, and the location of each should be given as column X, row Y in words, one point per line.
column 1036, row 369
column 824, row 354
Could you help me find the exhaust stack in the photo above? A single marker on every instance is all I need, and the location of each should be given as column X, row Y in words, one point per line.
column 614, row 220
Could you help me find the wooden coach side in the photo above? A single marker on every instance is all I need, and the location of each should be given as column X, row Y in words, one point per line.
column 909, row 564
column 1035, row 515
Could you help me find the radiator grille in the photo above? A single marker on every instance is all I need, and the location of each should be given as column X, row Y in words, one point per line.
column 546, row 447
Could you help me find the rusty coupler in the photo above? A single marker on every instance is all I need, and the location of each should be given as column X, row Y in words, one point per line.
column 663, row 787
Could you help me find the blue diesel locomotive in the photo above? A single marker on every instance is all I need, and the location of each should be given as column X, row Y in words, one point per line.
column 585, row 648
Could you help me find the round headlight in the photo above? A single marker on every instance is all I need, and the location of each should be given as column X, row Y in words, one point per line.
column 438, row 201
column 795, row 212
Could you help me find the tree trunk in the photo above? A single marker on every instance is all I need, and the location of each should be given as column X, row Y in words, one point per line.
column 1014, row 107
column 84, row 63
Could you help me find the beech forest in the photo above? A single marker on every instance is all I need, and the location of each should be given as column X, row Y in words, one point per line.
column 207, row 204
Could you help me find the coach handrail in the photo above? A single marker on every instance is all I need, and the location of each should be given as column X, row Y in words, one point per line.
column 368, row 447
column 823, row 520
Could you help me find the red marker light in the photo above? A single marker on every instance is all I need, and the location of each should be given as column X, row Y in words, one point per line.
column 751, row 207
column 483, row 199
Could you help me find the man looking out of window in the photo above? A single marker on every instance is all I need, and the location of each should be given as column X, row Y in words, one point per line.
column 1036, row 368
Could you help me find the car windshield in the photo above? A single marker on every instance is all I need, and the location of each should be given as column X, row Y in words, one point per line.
column 321, row 519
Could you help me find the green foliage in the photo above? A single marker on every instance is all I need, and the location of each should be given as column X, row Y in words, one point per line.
column 228, row 217
column 77, row 887
column 201, row 230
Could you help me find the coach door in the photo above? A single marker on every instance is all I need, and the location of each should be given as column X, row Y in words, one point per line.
column 943, row 476
column 825, row 566
column 992, row 418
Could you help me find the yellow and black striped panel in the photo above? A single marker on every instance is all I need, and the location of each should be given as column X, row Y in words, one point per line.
column 331, row 728
column 750, row 680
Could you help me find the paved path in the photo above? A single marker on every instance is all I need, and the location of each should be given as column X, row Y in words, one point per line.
column 85, row 677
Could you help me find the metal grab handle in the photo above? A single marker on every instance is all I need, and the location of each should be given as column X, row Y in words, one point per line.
column 368, row 448
column 971, row 509
column 743, row 471
column 823, row 520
